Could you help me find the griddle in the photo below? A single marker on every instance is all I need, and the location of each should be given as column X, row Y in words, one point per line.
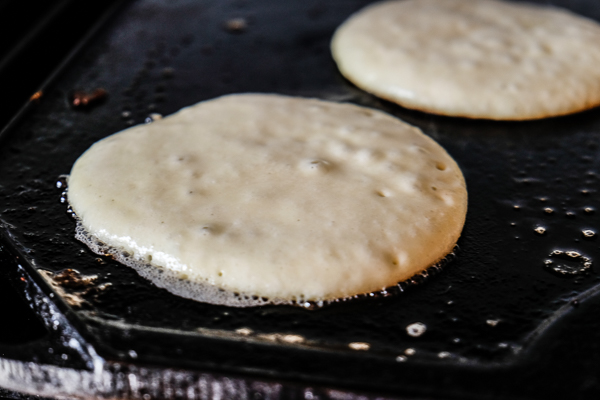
column 508, row 317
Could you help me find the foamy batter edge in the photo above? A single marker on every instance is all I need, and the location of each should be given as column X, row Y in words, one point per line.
column 206, row 292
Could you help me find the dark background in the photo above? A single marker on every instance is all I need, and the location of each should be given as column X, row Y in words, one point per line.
column 35, row 38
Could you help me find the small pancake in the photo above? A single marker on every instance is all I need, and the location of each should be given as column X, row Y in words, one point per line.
column 284, row 199
column 473, row 58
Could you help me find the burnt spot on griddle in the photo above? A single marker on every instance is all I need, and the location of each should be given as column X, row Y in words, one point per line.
column 71, row 278
column 72, row 286
column 82, row 99
column 36, row 96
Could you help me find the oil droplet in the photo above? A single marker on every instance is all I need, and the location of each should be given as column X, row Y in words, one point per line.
column 416, row 329
column 568, row 263
column 410, row 352
column 540, row 230
column 575, row 303
column 588, row 210
column 359, row 346
column 492, row 322
column 516, row 208
column 153, row 117
column 548, row 210
column 588, row 233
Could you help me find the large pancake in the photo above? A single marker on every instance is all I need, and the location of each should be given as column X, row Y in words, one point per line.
column 473, row 58
column 281, row 198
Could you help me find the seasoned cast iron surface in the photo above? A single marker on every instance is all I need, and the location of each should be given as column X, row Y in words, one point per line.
column 483, row 310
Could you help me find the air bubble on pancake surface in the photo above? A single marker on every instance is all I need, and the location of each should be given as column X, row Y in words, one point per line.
column 315, row 166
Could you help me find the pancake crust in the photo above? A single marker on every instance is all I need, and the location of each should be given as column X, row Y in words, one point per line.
column 288, row 199
column 473, row 58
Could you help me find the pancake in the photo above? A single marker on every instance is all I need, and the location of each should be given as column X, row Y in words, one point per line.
column 473, row 58
column 252, row 199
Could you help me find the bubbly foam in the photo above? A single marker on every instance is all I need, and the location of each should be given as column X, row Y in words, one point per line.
column 175, row 282
column 170, row 277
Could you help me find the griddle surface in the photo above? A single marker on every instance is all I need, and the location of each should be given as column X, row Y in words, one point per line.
column 498, row 320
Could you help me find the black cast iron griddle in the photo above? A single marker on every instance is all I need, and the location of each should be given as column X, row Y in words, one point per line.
column 501, row 323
